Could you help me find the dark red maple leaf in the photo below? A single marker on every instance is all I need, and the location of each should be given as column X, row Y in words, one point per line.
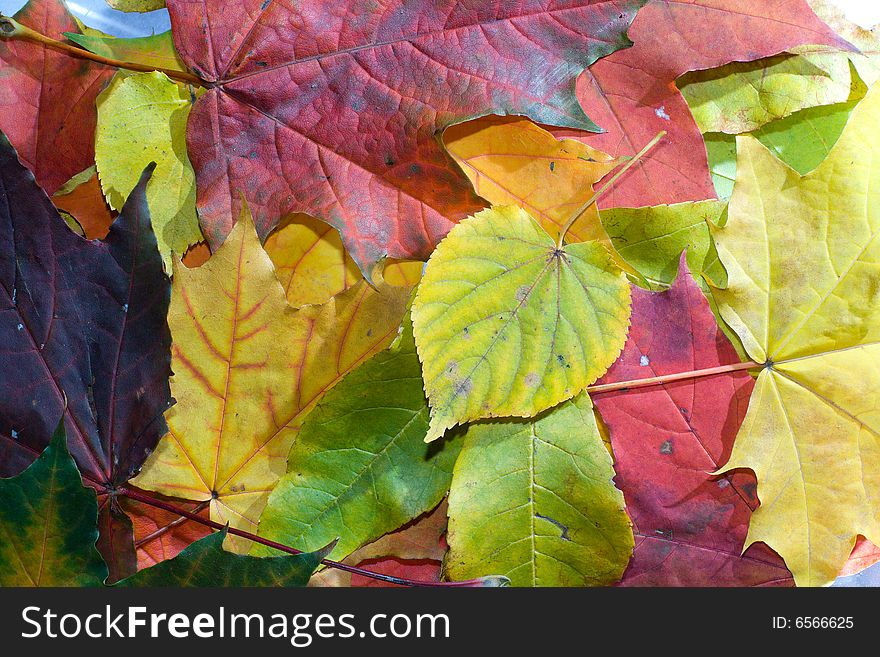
column 83, row 335
column 333, row 108
column 632, row 95
column 116, row 539
column 47, row 99
column 690, row 526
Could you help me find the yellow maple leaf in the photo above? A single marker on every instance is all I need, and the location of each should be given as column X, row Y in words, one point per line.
column 803, row 260
column 247, row 368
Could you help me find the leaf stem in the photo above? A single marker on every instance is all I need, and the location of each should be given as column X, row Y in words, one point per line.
column 604, row 188
column 12, row 29
column 165, row 506
column 671, row 378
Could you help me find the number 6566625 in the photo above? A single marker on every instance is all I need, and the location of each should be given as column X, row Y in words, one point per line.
column 823, row 622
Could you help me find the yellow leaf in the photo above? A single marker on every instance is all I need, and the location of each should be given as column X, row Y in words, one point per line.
column 403, row 273
column 136, row 5
column 803, row 260
column 142, row 119
column 156, row 50
column 313, row 266
column 511, row 161
column 247, row 368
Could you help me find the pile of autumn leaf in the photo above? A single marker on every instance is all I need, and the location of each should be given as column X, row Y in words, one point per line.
column 739, row 259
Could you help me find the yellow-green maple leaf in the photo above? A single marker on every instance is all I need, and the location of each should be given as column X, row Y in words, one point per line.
column 140, row 6
column 803, row 260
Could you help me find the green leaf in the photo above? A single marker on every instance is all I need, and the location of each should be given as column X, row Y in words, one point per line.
column 508, row 325
column 136, row 5
column 801, row 140
column 206, row 564
column 534, row 500
column 156, row 50
column 49, row 524
column 721, row 151
column 72, row 223
column 360, row 467
column 743, row 96
column 141, row 119
column 651, row 239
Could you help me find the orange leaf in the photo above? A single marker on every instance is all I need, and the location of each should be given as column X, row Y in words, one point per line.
column 196, row 255
column 511, row 161
column 160, row 535
column 83, row 199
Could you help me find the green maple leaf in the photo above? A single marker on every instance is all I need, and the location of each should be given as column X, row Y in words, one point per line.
column 206, row 564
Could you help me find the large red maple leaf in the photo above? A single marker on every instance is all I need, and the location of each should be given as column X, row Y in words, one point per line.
column 632, row 95
column 690, row 526
column 334, row 108
column 47, row 99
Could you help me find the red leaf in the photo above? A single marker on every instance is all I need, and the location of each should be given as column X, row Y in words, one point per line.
column 690, row 526
column 864, row 555
column 421, row 570
column 332, row 108
column 47, row 99
column 115, row 540
column 632, row 93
